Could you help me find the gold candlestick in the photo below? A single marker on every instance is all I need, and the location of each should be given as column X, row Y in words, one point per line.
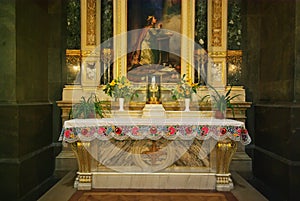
column 153, row 89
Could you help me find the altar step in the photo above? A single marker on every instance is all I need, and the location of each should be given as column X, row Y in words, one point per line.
column 64, row 190
column 160, row 180
column 65, row 162
column 242, row 164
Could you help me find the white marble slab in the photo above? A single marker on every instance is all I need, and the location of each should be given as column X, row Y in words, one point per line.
column 115, row 180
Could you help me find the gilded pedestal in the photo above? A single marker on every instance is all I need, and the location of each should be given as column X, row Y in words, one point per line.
column 224, row 150
column 84, row 175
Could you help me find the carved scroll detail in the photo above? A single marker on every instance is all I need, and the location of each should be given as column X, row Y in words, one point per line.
column 216, row 23
column 91, row 22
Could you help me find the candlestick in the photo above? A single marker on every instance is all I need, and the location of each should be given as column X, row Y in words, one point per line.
column 153, row 80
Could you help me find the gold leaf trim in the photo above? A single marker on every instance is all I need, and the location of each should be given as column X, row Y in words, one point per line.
column 216, row 30
column 91, row 22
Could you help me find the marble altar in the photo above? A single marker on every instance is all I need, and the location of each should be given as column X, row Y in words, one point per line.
column 165, row 153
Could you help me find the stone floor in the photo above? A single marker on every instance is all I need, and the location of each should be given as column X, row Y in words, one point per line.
column 64, row 190
column 152, row 195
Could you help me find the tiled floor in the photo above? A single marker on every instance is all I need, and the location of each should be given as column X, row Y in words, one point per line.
column 64, row 190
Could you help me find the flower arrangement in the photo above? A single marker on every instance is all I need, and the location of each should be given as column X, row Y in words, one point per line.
column 119, row 88
column 184, row 89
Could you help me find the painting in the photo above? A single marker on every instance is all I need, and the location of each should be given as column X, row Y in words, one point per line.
column 175, row 55
column 153, row 40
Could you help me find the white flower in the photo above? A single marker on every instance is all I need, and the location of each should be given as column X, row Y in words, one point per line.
column 231, row 22
column 239, row 31
column 201, row 42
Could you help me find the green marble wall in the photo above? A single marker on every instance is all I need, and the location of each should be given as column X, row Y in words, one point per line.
column 57, row 71
column 271, row 67
column 7, row 51
column 234, row 25
column 201, row 23
column 73, row 24
column 31, row 82
column 106, row 20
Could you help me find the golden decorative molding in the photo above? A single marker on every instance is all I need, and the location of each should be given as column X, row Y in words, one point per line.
column 234, row 53
column 86, row 53
column 235, row 57
column 187, row 41
column 217, row 54
column 90, row 53
column 91, row 22
column 120, row 37
column 217, row 42
column 73, row 57
column 90, row 39
column 216, row 30
column 72, row 52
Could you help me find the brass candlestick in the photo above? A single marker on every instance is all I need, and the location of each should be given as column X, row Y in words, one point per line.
column 153, row 88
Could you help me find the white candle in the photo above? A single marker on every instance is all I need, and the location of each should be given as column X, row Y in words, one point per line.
column 153, row 80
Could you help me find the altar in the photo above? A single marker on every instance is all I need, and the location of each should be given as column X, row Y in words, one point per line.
column 154, row 153
column 177, row 149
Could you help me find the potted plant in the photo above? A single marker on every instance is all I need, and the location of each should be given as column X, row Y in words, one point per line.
column 221, row 102
column 120, row 88
column 91, row 107
column 184, row 89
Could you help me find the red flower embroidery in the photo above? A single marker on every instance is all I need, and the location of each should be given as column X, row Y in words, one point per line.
column 101, row 130
column 223, row 131
column 172, row 130
column 92, row 131
column 239, row 131
column 118, row 130
column 188, row 130
column 244, row 131
column 204, row 130
column 135, row 130
column 153, row 130
column 67, row 133
column 84, row 131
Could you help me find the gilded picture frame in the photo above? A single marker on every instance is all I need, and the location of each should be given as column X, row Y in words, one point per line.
column 120, row 30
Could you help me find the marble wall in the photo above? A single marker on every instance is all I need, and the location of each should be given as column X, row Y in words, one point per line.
column 271, row 76
column 31, row 81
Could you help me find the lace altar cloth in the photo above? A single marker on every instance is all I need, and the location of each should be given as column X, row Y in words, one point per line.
column 154, row 129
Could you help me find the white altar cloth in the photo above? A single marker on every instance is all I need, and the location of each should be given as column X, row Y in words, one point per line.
column 154, row 128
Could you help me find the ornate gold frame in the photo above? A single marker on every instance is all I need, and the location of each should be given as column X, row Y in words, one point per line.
column 216, row 44
column 120, row 43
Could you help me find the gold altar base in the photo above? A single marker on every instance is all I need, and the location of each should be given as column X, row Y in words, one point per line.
column 224, row 182
column 224, row 150
column 83, row 180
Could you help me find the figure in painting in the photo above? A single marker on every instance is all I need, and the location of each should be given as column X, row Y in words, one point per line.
column 145, row 50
